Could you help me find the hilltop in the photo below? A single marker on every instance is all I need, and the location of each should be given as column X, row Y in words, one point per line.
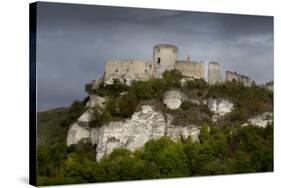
column 157, row 128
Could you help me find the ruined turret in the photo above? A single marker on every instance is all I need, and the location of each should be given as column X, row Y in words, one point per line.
column 214, row 75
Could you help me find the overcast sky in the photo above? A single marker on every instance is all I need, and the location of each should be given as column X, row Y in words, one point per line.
column 75, row 41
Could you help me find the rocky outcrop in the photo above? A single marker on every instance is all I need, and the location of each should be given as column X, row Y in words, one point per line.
column 76, row 133
column 173, row 99
column 86, row 117
column 177, row 131
column 220, row 107
column 261, row 120
column 131, row 133
column 95, row 100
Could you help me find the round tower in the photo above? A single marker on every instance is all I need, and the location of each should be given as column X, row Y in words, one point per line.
column 164, row 57
column 214, row 75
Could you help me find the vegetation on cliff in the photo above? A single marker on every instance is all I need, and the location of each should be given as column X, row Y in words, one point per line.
column 224, row 148
column 123, row 100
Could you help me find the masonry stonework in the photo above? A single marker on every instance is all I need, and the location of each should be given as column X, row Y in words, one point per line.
column 245, row 80
column 214, row 76
column 165, row 57
column 128, row 70
column 191, row 69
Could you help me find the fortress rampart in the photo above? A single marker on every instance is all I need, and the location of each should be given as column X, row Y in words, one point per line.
column 128, row 70
column 230, row 76
column 191, row 69
column 165, row 57
column 214, row 76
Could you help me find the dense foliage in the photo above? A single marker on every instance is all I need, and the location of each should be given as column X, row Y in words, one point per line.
column 123, row 100
column 249, row 101
column 222, row 150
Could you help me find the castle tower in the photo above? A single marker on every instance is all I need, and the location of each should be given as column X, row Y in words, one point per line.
column 214, row 75
column 164, row 57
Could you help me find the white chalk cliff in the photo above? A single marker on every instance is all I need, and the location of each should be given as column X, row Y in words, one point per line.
column 261, row 120
column 220, row 107
column 174, row 98
column 131, row 133
column 144, row 125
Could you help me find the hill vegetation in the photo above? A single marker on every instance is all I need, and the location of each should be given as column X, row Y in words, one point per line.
column 222, row 148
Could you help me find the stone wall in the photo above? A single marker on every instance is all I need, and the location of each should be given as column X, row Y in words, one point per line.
column 214, row 75
column 128, row 70
column 164, row 57
column 191, row 69
column 230, row 76
column 269, row 85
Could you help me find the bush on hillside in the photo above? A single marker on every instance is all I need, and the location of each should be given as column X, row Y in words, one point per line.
column 219, row 150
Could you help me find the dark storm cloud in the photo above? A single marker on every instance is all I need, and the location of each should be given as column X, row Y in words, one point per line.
column 75, row 41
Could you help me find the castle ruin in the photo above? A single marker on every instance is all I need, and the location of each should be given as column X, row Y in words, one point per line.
column 128, row 70
column 245, row 80
column 214, row 76
column 269, row 85
column 165, row 57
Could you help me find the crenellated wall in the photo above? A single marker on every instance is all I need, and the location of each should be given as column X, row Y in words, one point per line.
column 191, row 69
column 165, row 57
column 128, row 70
column 230, row 76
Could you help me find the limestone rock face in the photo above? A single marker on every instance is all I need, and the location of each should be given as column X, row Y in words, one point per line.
column 219, row 107
column 131, row 133
column 95, row 100
column 86, row 117
column 261, row 120
column 173, row 99
column 193, row 101
column 176, row 131
column 76, row 133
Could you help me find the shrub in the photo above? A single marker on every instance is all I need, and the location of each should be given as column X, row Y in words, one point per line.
column 186, row 105
column 172, row 78
column 122, row 106
column 88, row 88
column 99, row 116
column 75, row 110
column 196, row 84
column 220, row 150
column 111, row 90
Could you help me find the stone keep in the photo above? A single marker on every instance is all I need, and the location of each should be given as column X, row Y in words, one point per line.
column 214, row 75
column 164, row 57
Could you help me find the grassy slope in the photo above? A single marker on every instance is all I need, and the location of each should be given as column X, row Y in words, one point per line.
column 49, row 130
